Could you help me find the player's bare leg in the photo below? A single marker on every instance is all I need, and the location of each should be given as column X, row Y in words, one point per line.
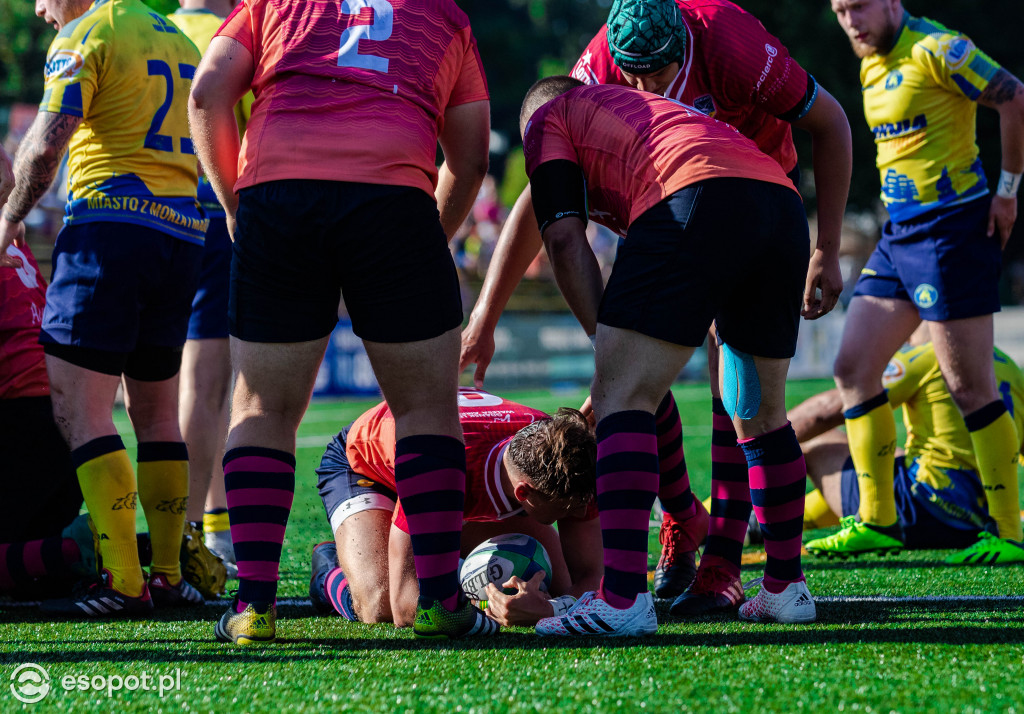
column 362, row 552
column 273, row 384
column 875, row 328
column 963, row 349
column 419, row 381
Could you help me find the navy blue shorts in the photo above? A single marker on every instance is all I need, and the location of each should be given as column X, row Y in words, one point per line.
column 729, row 250
column 302, row 244
column 120, row 286
column 345, row 492
column 928, row 519
column 941, row 261
column 209, row 320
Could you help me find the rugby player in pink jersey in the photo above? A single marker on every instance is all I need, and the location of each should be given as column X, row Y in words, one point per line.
column 335, row 189
column 524, row 471
column 714, row 231
column 718, row 58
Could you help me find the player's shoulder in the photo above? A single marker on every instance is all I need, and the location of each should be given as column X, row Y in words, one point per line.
column 446, row 10
column 908, row 360
column 718, row 19
column 933, row 41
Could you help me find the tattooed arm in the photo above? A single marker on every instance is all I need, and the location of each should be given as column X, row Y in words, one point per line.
column 34, row 168
column 6, row 176
column 1005, row 94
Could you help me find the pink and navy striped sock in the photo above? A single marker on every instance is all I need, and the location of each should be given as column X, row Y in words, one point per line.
column 23, row 562
column 627, row 482
column 260, row 486
column 730, row 493
column 340, row 594
column 777, row 485
column 674, row 487
column 430, row 477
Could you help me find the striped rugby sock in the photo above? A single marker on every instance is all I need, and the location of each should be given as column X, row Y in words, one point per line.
column 777, row 485
column 627, row 483
column 995, row 442
column 260, row 486
column 430, row 477
column 340, row 594
column 871, row 432
column 674, row 485
column 23, row 562
column 730, row 493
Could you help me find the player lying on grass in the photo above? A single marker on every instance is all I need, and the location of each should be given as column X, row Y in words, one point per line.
column 524, row 471
column 940, row 500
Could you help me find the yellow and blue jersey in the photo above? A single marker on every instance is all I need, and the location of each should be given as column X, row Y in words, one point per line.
column 920, row 101
column 200, row 26
column 937, row 437
column 127, row 72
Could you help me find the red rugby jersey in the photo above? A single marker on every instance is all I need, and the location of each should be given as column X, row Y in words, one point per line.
column 22, row 297
column 733, row 70
column 488, row 424
column 636, row 149
column 353, row 90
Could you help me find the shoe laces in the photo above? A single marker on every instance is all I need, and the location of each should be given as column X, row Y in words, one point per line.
column 847, row 522
column 712, row 580
column 669, row 537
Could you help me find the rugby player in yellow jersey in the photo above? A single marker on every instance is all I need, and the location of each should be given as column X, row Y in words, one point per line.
column 940, row 501
column 939, row 256
column 206, row 363
column 125, row 268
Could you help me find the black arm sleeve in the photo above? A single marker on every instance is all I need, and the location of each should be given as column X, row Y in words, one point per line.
column 806, row 102
column 559, row 191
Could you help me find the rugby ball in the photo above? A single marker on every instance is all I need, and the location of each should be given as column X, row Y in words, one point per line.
column 498, row 559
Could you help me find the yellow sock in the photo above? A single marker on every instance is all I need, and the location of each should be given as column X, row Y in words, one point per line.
column 817, row 513
column 871, row 429
column 216, row 521
column 163, row 491
column 995, row 447
column 108, row 485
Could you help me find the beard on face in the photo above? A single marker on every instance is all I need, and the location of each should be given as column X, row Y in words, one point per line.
column 887, row 38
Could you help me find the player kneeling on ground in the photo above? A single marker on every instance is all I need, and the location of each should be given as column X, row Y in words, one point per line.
column 670, row 179
column 525, row 470
column 940, row 500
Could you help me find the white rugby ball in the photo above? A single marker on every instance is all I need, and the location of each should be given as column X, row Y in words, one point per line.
column 498, row 559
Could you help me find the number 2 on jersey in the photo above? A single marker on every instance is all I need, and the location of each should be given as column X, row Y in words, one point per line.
column 383, row 18
column 154, row 139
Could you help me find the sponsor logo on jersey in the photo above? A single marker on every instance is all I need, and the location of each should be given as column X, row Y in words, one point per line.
column 772, row 53
column 63, row 64
column 894, row 372
column 925, row 295
column 705, row 105
column 582, row 70
column 956, row 51
column 899, row 128
column 894, row 80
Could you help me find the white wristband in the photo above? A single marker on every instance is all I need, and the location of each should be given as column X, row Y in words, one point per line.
column 562, row 604
column 1008, row 184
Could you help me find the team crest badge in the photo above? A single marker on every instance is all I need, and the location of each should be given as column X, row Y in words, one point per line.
column 705, row 105
column 894, row 80
column 925, row 295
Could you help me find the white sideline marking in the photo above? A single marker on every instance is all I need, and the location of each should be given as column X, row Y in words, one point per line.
column 852, row 599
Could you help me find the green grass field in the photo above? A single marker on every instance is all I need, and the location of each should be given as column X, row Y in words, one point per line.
column 898, row 634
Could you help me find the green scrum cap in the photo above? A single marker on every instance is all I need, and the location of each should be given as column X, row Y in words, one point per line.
column 645, row 35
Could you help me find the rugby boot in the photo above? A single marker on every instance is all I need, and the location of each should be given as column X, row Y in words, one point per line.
column 856, row 538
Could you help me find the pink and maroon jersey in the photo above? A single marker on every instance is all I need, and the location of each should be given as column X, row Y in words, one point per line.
column 353, row 90
column 488, row 424
column 733, row 70
column 22, row 295
column 636, row 149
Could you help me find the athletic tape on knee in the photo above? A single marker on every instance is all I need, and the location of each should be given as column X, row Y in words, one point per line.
column 741, row 387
